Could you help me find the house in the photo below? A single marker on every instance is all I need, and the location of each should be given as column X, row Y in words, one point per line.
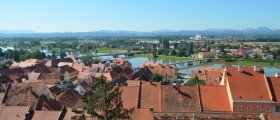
column 168, row 73
column 15, row 113
column 78, row 66
column 70, row 73
column 274, row 83
column 51, row 79
column 54, row 63
column 27, row 63
column 27, row 94
column 84, row 76
column 97, row 68
column 248, row 90
column 206, row 55
column 143, row 73
column 71, row 99
column 212, row 76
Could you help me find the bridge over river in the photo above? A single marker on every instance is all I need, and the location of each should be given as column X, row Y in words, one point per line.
column 189, row 62
column 111, row 54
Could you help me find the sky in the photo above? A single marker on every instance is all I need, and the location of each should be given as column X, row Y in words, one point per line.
column 137, row 15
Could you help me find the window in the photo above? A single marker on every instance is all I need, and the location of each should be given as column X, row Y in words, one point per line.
column 259, row 108
column 249, row 108
column 277, row 108
column 239, row 107
column 267, row 108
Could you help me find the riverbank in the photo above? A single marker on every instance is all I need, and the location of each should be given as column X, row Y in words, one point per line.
column 164, row 57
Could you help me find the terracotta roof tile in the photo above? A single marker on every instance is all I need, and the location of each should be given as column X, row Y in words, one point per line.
column 247, row 85
column 142, row 114
column 180, row 99
column 214, row 99
column 13, row 112
column 150, row 95
column 157, row 68
column 70, row 98
column 20, row 95
column 130, row 95
column 46, row 115
column 275, row 87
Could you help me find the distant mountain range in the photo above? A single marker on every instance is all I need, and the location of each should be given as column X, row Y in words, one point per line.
column 260, row 31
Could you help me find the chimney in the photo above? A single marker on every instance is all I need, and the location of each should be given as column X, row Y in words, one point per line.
column 256, row 68
column 277, row 74
column 240, row 68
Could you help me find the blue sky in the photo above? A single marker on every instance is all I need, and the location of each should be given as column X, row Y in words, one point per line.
column 137, row 15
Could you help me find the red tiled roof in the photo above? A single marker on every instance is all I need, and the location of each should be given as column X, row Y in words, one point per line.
column 142, row 114
column 85, row 85
column 214, row 99
column 247, row 85
column 275, row 87
column 150, row 95
column 213, row 77
column 180, row 99
column 46, row 115
column 32, row 76
column 133, row 83
column 157, row 68
column 20, row 95
column 48, row 104
column 130, row 95
column 70, row 98
column 13, row 112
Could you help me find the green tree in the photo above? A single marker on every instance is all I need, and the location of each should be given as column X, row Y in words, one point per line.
column 1, row 52
column 181, row 53
column 88, row 59
column 53, row 56
column 173, row 52
column 104, row 102
column 156, row 78
column 62, row 54
column 3, row 67
column 195, row 81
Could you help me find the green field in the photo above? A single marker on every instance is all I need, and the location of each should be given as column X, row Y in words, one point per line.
column 111, row 50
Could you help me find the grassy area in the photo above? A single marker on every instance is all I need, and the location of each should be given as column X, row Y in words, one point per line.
column 164, row 57
column 261, row 43
column 193, row 82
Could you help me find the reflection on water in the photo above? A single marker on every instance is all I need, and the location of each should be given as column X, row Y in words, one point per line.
column 138, row 61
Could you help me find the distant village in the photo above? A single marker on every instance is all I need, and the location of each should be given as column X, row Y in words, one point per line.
column 36, row 89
